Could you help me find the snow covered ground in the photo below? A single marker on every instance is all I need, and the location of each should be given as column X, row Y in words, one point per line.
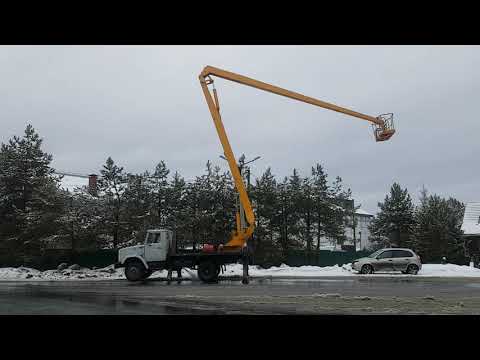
column 109, row 273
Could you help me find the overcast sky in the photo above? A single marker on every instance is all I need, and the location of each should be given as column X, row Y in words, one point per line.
column 143, row 104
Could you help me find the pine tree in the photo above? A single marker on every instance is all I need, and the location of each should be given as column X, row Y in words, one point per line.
column 138, row 203
column 455, row 250
column 81, row 220
column 307, row 213
column 265, row 197
column 437, row 231
column 341, row 212
column 282, row 216
column 395, row 222
column 112, row 185
column 177, row 215
column 159, row 189
column 223, row 198
column 29, row 196
column 200, row 207
column 295, row 209
column 327, row 202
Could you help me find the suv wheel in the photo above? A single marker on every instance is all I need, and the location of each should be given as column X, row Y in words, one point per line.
column 412, row 269
column 134, row 271
column 366, row 269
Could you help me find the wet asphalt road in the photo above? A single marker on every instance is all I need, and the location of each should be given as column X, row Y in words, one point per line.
column 349, row 295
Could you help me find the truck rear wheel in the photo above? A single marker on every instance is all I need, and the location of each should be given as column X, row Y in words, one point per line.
column 208, row 271
column 134, row 271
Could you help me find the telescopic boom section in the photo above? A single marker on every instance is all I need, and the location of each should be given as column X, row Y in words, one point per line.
column 383, row 130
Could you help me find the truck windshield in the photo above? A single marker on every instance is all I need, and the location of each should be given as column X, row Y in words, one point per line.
column 153, row 238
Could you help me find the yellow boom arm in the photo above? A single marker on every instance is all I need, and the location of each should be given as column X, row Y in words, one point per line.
column 383, row 131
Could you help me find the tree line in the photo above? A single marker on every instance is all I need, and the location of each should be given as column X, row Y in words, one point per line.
column 294, row 213
column 432, row 228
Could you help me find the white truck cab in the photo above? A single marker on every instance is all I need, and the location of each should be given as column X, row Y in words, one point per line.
column 152, row 254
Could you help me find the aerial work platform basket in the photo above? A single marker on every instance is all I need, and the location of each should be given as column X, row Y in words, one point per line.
column 386, row 129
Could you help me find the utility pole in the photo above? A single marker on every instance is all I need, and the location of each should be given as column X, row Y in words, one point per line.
column 244, row 170
column 354, row 227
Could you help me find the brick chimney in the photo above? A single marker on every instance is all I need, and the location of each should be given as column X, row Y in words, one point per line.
column 92, row 184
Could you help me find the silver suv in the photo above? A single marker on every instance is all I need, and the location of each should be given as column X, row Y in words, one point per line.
column 391, row 259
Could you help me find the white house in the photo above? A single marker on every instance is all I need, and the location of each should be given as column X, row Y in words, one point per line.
column 362, row 234
column 364, row 218
column 471, row 219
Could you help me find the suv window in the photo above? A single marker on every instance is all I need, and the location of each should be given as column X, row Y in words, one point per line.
column 402, row 253
column 386, row 254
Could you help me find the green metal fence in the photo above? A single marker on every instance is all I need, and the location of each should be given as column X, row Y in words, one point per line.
column 52, row 258
column 323, row 257
column 101, row 258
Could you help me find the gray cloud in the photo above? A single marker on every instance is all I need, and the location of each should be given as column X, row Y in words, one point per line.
column 142, row 104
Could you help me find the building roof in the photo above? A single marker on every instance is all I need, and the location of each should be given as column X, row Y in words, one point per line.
column 471, row 219
column 70, row 182
column 363, row 212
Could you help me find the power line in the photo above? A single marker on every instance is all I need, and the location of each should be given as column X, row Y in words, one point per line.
column 65, row 173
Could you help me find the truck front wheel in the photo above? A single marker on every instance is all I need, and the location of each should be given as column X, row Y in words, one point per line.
column 207, row 272
column 134, row 271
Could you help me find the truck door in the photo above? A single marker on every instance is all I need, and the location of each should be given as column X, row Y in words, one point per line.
column 156, row 247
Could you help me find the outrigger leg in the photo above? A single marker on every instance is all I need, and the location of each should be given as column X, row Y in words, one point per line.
column 245, row 279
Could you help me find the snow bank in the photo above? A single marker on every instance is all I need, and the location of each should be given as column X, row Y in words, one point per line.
column 448, row 270
column 23, row 273
column 285, row 270
column 109, row 273
column 428, row 270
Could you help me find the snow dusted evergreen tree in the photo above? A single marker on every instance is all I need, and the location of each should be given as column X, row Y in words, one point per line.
column 159, row 189
column 455, row 243
column 29, row 198
column 138, row 203
column 329, row 206
column 112, row 185
column 204, row 213
column 341, row 212
column 81, row 220
column 282, row 216
column 177, row 214
column 211, row 206
column 323, row 215
column 223, row 205
column 295, row 205
column 437, row 232
column 265, row 197
column 307, row 213
column 395, row 222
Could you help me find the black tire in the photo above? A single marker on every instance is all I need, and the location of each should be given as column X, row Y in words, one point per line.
column 366, row 269
column 134, row 271
column 412, row 269
column 208, row 272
